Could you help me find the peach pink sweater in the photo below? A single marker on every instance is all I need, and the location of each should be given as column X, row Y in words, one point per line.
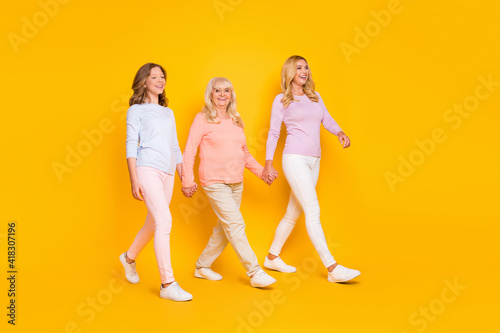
column 223, row 153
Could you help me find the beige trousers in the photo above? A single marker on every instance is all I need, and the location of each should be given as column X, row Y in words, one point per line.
column 225, row 200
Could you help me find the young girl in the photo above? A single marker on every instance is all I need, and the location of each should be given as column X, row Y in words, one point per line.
column 153, row 155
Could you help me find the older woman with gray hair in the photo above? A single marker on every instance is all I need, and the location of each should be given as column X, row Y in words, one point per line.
column 218, row 131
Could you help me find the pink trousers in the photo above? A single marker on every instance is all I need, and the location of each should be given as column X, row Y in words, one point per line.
column 158, row 187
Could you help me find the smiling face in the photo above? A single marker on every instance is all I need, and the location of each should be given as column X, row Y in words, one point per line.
column 155, row 83
column 221, row 97
column 302, row 73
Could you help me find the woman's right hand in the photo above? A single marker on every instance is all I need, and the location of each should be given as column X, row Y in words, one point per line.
column 269, row 174
column 137, row 190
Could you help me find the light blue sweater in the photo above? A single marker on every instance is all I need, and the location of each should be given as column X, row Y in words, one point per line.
column 152, row 137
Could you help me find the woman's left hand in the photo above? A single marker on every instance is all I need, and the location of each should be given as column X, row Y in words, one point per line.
column 189, row 191
column 269, row 174
column 344, row 139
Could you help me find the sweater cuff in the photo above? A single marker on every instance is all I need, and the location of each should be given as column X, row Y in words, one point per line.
column 188, row 183
column 259, row 173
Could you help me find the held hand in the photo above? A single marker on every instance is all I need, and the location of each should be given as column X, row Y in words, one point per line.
column 269, row 174
column 186, row 191
column 137, row 191
column 344, row 139
column 270, row 180
column 189, row 191
column 194, row 188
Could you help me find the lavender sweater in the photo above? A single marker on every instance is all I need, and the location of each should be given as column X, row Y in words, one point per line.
column 303, row 121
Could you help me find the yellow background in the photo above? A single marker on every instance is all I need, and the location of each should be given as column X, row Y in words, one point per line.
column 439, row 226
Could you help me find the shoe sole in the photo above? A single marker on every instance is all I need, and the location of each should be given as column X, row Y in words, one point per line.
column 123, row 261
column 198, row 275
column 262, row 286
column 177, row 300
column 337, row 281
column 278, row 270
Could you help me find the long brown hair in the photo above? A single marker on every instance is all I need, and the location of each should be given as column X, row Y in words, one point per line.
column 140, row 92
column 288, row 73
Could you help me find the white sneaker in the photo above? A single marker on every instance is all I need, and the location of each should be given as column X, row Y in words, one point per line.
column 279, row 265
column 130, row 271
column 261, row 279
column 207, row 273
column 342, row 274
column 174, row 292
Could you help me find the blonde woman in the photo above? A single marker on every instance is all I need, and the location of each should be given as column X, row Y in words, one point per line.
column 218, row 131
column 303, row 111
column 153, row 155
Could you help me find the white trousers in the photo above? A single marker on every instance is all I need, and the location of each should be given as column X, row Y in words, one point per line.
column 302, row 172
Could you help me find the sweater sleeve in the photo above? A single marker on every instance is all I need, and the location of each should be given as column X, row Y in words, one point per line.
column 251, row 163
column 133, row 127
column 327, row 121
column 192, row 144
column 277, row 115
column 175, row 142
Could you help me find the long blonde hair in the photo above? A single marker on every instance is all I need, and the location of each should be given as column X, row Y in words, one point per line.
column 288, row 72
column 140, row 91
column 210, row 110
